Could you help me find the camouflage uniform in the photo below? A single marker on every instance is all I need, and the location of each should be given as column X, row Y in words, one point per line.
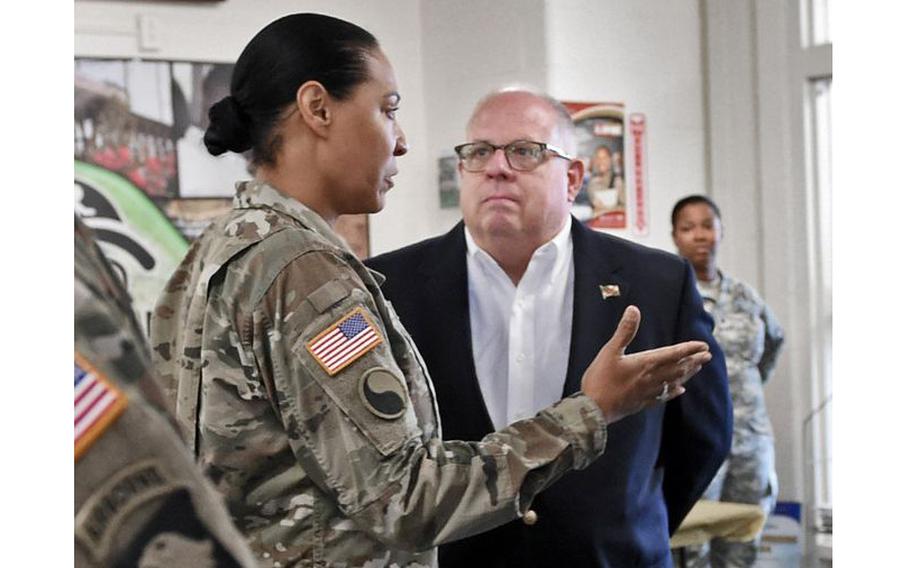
column 327, row 465
column 751, row 338
column 139, row 498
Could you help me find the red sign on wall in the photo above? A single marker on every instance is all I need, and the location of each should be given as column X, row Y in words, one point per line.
column 637, row 132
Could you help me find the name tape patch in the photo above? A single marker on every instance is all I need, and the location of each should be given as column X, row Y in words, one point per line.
column 103, row 513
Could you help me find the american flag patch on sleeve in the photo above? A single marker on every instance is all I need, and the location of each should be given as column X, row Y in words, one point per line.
column 97, row 404
column 344, row 341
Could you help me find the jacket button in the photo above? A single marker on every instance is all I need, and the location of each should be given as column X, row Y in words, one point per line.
column 529, row 518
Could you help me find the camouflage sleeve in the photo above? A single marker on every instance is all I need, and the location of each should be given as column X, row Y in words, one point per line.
column 349, row 411
column 774, row 339
column 139, row 499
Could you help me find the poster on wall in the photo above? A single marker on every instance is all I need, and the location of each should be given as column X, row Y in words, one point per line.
column 144, row 120
column 144, row 180
column 600, row 133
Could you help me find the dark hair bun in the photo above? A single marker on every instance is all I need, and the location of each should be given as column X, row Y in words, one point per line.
column 229, row 128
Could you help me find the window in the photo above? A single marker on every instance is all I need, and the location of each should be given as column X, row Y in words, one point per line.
column 815, row 72
column 820, row 31
column 819, row 141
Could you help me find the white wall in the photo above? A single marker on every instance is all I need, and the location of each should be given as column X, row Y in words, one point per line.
column 646, row 54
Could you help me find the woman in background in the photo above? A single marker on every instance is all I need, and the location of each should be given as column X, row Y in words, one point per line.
column 751, row 339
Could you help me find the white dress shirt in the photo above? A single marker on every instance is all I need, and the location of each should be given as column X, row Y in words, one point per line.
column 520, row 335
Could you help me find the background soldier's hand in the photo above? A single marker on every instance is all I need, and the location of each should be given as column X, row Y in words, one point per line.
column 624, row 384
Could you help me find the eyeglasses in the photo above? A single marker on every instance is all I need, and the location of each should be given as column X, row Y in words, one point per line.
column 522, row 155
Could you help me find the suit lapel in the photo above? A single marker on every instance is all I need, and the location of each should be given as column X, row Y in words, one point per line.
column 447, row 272
column 594, row 318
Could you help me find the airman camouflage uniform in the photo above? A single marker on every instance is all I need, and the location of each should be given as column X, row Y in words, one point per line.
column 139, row 498
column 751, row 338
column 333, row 460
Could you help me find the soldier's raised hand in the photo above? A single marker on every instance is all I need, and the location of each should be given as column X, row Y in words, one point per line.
column 624, row 384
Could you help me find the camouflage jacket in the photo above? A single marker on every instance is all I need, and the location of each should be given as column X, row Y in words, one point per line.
column 751, row 338
column 310, row 408
column 139, row 497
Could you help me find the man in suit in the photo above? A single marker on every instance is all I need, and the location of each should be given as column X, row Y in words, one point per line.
column 510, row 306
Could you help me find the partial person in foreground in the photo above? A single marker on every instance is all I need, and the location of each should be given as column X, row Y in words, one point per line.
column 510, row 306
column 139, row 497
column 751, row 339
column 295, row 383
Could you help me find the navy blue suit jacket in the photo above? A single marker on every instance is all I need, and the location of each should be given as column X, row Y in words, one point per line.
column 620, row 511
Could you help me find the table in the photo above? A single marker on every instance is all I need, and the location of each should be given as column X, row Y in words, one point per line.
column 717, row 519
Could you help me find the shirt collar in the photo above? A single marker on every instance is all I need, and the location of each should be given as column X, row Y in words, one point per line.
column 469, row 240
column 256, row 194
column 562, row 240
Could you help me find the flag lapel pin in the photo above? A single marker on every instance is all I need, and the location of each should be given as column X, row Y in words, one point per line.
column 609, row 291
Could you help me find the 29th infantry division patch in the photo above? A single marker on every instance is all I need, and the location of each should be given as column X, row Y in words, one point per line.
column 383, row 393
column 97, row 404
column 344, row 341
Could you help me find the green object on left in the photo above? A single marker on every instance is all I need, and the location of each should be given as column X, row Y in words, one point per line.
column 148, row 247
column 137, row 210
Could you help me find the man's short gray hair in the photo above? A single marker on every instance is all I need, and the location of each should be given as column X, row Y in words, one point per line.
column 565, row 125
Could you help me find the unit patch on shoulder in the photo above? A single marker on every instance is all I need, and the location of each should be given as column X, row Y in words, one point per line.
column 97, row 404
column 383, row 393
column 345, row 341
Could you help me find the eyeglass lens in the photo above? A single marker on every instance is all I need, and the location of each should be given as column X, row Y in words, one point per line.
column 521, row 155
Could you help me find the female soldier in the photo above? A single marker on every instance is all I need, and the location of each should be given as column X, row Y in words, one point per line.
column 296, row 385
column 751, row 339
